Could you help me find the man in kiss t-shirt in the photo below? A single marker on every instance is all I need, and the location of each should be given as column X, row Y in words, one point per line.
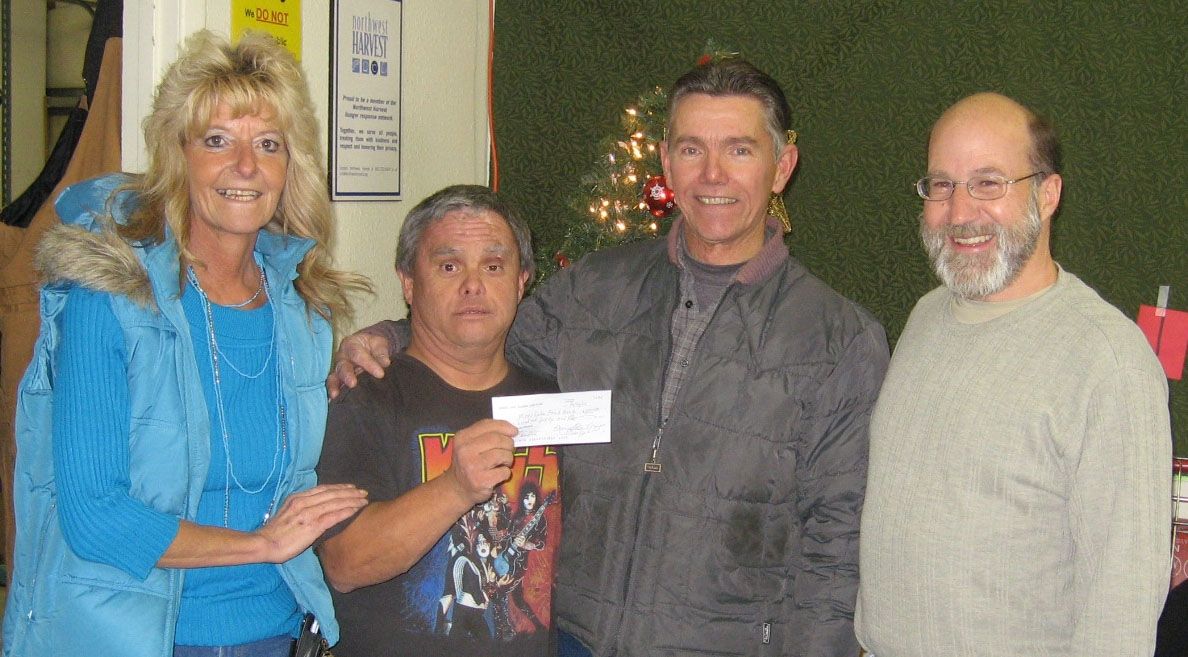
column 456, row 551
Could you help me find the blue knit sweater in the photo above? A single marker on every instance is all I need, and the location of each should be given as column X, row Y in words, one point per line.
column 221, row 605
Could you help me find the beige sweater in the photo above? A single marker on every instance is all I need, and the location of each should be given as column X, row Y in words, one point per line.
column 1019, row 496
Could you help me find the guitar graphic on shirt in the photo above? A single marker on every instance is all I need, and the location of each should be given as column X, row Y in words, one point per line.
column 511, row 555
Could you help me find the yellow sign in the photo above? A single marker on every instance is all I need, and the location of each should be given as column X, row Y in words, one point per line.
column 280, row 18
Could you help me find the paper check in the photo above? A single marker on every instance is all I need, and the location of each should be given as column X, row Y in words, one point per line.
column 565, row 418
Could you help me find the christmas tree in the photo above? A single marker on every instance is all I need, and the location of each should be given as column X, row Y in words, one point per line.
column 624, row 197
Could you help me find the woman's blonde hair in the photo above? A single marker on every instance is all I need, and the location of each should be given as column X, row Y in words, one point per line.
column 254, row 76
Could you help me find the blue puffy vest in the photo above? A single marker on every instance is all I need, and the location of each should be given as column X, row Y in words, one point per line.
column 60, row 604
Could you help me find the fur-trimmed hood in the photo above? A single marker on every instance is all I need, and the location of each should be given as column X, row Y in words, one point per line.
column 86, row 249
column 99, row 260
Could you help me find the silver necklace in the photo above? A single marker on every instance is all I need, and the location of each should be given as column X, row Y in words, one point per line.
column 282, row 438
column 193, row 278
column 255, row 295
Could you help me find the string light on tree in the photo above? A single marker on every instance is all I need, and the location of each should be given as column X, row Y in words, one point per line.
column 615, row 194
column 624, row 197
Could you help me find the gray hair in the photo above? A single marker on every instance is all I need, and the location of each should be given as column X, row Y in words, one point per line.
column 468, row 198
column 737, row 77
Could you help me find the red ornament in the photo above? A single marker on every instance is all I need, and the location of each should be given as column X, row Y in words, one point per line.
column 661, row 200
column 561, row 259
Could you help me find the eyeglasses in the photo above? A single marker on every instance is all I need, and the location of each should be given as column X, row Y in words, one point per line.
column 985, row 188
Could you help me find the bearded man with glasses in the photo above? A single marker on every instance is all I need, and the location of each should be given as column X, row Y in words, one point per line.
column 1018, row 500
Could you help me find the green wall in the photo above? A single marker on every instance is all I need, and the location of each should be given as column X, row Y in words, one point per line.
column 866, row 81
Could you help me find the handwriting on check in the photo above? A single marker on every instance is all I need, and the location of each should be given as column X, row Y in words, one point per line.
column 565, row 418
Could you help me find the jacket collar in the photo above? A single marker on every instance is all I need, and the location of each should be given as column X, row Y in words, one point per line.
column 86, row 205
column 756, row 270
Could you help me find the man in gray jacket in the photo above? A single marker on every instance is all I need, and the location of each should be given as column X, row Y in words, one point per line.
column 723, row 517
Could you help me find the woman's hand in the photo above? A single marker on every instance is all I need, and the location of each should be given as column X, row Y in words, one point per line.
column 301, row 520
column 305, row 516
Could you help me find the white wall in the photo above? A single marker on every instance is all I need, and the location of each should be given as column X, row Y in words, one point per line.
column 444, row 140
column 444, row 113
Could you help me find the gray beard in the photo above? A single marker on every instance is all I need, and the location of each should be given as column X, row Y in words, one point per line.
column 980, row 275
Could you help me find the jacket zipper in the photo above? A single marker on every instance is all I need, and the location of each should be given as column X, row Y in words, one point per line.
column 653, row 465
column 41, row 551
column 650, row 467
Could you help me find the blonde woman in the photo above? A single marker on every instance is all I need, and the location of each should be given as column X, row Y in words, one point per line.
column 173, row 413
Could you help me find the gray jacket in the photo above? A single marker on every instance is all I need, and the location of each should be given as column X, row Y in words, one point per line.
column 747, row 542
